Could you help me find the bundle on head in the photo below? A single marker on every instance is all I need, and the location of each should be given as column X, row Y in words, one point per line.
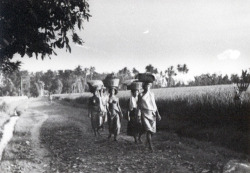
column 95, row 85
column 146, row 77
column 113, row 83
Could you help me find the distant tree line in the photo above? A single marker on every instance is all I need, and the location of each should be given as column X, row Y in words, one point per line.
column 75, row 81
column 213, row 79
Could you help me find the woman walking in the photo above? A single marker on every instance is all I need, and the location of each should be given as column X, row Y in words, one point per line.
column 134, row 127
column 147, row 105
column 95, row 108
column 114, row 110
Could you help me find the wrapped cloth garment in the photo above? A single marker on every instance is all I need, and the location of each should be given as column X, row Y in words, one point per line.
column 148, row 120
column 147, row 102
column 148, row 112
column 97, row 120
column 114, row 113
column 95, row 112
column 146, row 77
column 104, row 99
column 134, row 125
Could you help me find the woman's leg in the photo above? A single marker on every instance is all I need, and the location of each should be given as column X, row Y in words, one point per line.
column 135, row 137
column 93, row 124
column 109, row 126
column 116, row 127
column 139, row 138
column 149, row 139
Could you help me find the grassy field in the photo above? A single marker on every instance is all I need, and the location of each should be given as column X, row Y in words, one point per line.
column 205, row 113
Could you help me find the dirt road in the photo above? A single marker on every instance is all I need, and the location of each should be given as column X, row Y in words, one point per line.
column 52, row 137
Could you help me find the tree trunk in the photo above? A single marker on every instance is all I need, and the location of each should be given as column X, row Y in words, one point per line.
column 85, row 82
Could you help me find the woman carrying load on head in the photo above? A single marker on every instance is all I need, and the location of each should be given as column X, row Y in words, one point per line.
column 147, row 105
column 134, row 127
column 114, row 110
column 95, row 107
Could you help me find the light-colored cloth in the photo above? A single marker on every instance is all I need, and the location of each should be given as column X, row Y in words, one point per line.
column 148, row 111
column 148, row 102
column 148, row 120
column 104, row 101
column 103, row 106
column 133, row 103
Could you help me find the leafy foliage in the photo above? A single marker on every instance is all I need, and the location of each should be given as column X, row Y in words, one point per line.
column 182, row 68
column 151, row 69
column 213, row 79
column 38, row 27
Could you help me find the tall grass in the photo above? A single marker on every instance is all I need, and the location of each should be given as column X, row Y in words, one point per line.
column 206, row 113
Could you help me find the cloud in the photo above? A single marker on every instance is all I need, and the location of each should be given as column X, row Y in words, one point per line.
column 83, row 46
column 229, row 54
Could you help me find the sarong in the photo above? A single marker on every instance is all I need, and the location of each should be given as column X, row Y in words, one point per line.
column 114, row 123
column 148, row 120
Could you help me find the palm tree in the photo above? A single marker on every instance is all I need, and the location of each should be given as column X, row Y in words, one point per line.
column 124, row 73
column 78, row 70
column 170, row 72
column 151, row 69
column 86, row 71
column 92, row 71
column 182, row 69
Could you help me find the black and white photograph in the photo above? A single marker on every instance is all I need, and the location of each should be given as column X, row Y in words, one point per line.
column 124, row 86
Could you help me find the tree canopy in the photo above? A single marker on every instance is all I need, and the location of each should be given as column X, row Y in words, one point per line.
column 151, row 69
column 37, row 27
column 182, row 68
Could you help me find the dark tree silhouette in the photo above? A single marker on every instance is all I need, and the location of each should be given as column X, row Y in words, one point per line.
column 78, row 71
column 37, row 27
column 235, row 78
column 182, row 68
column 91, row 71
column 151, row 69
column 124, row 74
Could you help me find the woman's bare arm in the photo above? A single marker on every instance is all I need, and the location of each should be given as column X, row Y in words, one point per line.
column 118, row 105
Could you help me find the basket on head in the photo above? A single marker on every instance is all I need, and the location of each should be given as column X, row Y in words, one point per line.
column 95, row 85
column 113, row 83
column 129, row 81
column 135, row 86
column 146, row 77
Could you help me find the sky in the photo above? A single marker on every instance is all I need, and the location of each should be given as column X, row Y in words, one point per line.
column 210, row 36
